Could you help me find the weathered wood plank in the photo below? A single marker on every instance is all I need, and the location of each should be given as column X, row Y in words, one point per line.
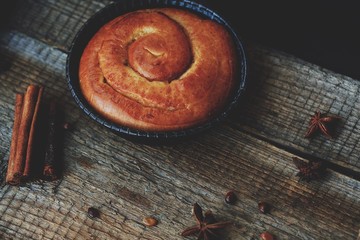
column 250, row 153
column 128, row 180
column 54, row 22
column 283, row 91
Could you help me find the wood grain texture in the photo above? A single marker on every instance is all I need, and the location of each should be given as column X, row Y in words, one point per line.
column 285, row 92
column 250, row 153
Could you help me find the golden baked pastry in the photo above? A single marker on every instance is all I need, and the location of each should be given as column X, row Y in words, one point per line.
column 159, row 69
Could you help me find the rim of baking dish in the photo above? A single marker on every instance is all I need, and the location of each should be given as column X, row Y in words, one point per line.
column 109, row 12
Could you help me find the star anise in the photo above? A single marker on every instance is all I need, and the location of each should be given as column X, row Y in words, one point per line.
column 207, row 226
column 308, row 171
column 318, row 122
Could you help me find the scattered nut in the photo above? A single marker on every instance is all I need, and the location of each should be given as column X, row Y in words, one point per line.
column 266, row 236
column 67, row 126
column 150, row 221
column 93, row 212
column 230, row 197
column 264, row 207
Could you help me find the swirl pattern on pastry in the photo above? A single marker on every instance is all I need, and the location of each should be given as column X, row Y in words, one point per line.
column 158, row 69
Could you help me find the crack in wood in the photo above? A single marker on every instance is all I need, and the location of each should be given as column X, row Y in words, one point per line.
column 328, row 164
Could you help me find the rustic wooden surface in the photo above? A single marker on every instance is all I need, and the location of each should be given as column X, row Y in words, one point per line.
column 250, row 153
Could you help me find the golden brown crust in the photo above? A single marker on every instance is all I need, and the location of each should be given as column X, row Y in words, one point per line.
column 159, row 69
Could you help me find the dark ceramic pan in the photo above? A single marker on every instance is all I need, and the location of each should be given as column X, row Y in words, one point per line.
column 119, row 8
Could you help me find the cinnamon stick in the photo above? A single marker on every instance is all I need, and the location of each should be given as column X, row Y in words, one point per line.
column 50, row 170
column 23, row 134
column 13, row 177
column 29, row 161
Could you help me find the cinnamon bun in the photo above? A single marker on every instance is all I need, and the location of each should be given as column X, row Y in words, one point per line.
column 159, row 69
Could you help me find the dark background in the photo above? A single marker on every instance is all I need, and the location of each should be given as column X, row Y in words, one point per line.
column 322, row 32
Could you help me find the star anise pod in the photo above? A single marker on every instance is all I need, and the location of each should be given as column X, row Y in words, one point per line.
column 308, row 171
column 206, row 227
column 318, row 122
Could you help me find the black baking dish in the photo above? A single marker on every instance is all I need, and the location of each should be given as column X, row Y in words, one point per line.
column 118, row 8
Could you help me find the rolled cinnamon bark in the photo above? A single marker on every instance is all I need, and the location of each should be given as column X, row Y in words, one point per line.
column 23, row 133
column 13, row 177
column 29, row 161
column 50, row 170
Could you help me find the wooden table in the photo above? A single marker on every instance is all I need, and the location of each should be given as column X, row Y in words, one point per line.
column 250, row 153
